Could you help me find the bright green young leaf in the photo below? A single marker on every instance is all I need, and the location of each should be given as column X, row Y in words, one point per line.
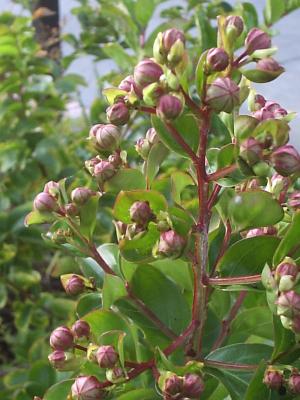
column 284, row 339
column 125, row 179
column 90, row 268
column 200, row 73
column 116, row 52
column 143, row 10
column 35, row 217
column 248, row 210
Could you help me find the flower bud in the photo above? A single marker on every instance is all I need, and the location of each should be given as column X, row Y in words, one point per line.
column 81, row 195
column 45, row 202
column 87, row 388
column 141, row 213
column 107, row 356
column 263, row 114
column 152, row 136
column 273, row 378
column 295, row 324
column 176, row 54
column 81, row 329
column 73, row 285
column 128, row 85
column 103, row 171
column 169, row 107
column 259, row 101
column 152, row 93
column 118, row 114
column 217, row 59
column 143, row 147
column 173, row 385
column 57, row 359
column 288, row 304
column 105, row 136
column 294, row 200
column 279, row 184
column 222, row 95
column 251, row 151
column 52, row 188
column 269, row 64
column 266, row 231
column 193, row 386
column 257, row 40
column 71, row 209
column 287, row 274
column 146, row 72
column 61, row 338
column 267, row 69
column 286, row 160
column 234, row 26
column 294, row 383
column 171, row 244
column 170, row 37
column 90, row 164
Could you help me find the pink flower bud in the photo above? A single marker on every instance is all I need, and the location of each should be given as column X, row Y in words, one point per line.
column 169, row 107
column 193, row 386
column 259, row 101
column 286, row 160
column 257, row 40
column 105, row 136
column 87, row 388
column 71, row 209
column 234, row 26
column 217, row 59
column 74, row 285
column 81, row 195
column 52, row 188
column 57, row 359
column 143, row 147
column 146, row 72
column 173, row 385
column 223, row 95
column 268, row 64
column 276, row 109
column 294, row 383
column 295, row 324
column 61, row 338
column 128, row 85
column 273, row 378
column 118, row 114
column 151, row 136
column 263, row 114
column 288, row 304
column 279, row 183
column 107, row 356
column 287, row 267
column 90, row 164
column 170, row 37
column 266, row 231
column 294, row 200
column 141, row 213
column 103, row 171
column 171, row 244
column 115, row 160
column 45, row 202
column 81, row 329
column 251, row 151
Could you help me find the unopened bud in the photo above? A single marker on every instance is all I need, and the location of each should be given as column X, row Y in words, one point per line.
column 128, row 85
column 105, row 136
column 81, row 329
column 251, row 150
column 279, row 183
column 103, row 171
column 118, row 114
column 90, row 164
column 143, row 147
column 266, row 231
column 266, row 70
column 169, row 107
column 87, row 388
column 234, row 26
column 81, row 195
column 52, row 188
column 115, row 374
column 107, row 356
column 151, row 136
column 294, row 383
column 45, row 202
column 286, row 160
column 147, row 72
column 257, row 40
column 57, row 359
column 295, row 324
column 170, row 37
column 71, row 209
column 73, row 284
column 141, row 213
column 115, row 160
column 294, row 200
column 193, row 386
column 173, row 385
column 288, row 304
column 217, row 59
column 287, row 274
column 223, row 95
column 171, row 244
column 263, row 114
column 61, row 338
column 273, row 378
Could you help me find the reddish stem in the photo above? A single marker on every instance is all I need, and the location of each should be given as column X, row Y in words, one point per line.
column 179, row 139
column 225, row 365
column 149, row 110
column 221, row 173
column 226, row 323
column 79, row 347
column 223, row 248
column 213, row 197
column 237, row 280
column 191, row 104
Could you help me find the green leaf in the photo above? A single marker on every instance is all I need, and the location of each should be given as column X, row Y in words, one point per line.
column 284, row 339
column 187, row 127
column 59, row 391
column 158, row 293
column 260, row 76
column 181, row 220
column 113, row 289
column 90, row 268
column 116, row 52
column 290, row 240
column 87, row 303
column 248, row 256
column 125, row 200
column 35, row 217
column 3, row 295
column 241, row 353
column 248, row 210
column 112, row 94
column 273, row 11
column 200, row 73
column 143, row 10
column 125, row 179
column 138, row 394
column 158, row 153
column 178, row 271
column 180, row 180
column 257, row 389
column 244, row 126
column 88, row 213
column 110, row 253
column 43, row 373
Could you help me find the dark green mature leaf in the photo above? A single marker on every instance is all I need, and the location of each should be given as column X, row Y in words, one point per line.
column 125, row 179
column 90, row 268
column 138, row 394
column 158, row 293
column 257, row 389
column 290, row 240
column 241, row 353
column 157, row 155
column 248, row 256
column 187, row 127
column 113, row 289
column 42, row 373
column 125, row 200
column 59, row 391
column 248, row 210
column 284, row 339
column 87, row 303
column 87, row 213
column 177, row 270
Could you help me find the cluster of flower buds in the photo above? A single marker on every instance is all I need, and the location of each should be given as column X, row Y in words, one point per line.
column 169, row 47
column 141, row 213
column 144, row 145
column 274, row 379
column 189, row 386
column 47, row 201
column 263, row 109
column 103, row 170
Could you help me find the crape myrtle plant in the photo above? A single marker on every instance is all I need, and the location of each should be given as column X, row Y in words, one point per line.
column 198, row 296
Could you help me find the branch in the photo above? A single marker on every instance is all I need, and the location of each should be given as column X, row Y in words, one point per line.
column 226, row 323
column 213, row 197
column 149, row 110
column 237, row 280
column 191, row 104
column 221, row 173
column 182, row 143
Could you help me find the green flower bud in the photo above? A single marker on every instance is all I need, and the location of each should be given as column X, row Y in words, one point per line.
column 222, row 95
